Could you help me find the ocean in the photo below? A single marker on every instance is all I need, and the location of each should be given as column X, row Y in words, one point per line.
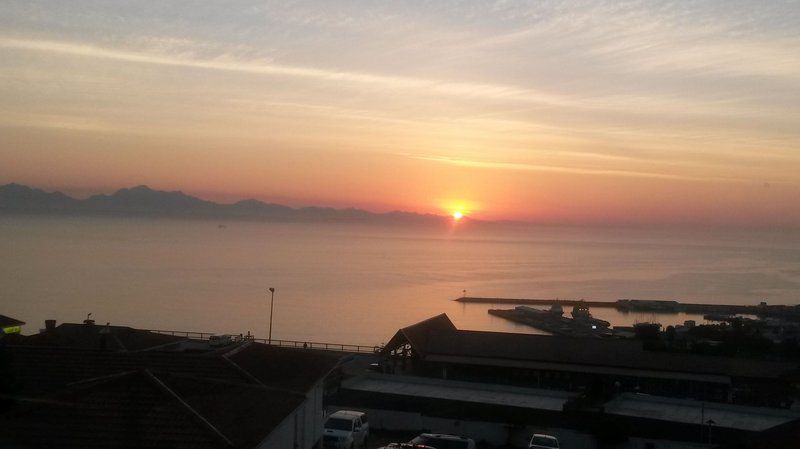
column 358, row 284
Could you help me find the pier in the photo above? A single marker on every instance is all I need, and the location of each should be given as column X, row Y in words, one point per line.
column 789, row 312
column 536, row 302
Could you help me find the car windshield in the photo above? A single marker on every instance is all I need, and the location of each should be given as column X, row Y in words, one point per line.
column 441, row 443
column 543, row 441
column 339, row 424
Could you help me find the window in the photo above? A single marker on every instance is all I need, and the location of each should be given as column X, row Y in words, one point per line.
column 339, row 424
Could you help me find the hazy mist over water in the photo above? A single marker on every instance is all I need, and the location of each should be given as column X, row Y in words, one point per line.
column 357, row 284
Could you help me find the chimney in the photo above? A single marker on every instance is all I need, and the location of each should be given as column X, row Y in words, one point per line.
column 49, row 325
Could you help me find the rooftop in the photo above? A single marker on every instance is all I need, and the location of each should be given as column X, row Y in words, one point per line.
column 70, row 388
column 93, row 336
column 422, row 387
column 6, row 321
column 693, row 412
column 129, row 410
column 438, row 339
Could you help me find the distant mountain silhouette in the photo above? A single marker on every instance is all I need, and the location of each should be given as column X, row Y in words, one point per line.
column 144, row 201
column 19, row 197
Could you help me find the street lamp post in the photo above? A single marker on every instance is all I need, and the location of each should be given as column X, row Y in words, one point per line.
column 271, row 304
column 710, row 423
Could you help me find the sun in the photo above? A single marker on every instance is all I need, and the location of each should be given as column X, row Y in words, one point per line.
column 458, row 215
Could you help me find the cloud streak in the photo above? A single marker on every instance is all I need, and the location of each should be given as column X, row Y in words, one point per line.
column 649, row 103
column 481, row 90
column 516, row 166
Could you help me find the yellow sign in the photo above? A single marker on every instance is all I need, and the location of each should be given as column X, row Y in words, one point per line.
column 12, row 329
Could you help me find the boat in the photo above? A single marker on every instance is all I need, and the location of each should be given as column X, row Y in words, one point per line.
column 580, row 313
column 552, row 320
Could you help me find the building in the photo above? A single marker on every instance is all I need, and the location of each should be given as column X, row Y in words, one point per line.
column 599, row 367
column 502, row 387
column 9, row 326
column 84, row 385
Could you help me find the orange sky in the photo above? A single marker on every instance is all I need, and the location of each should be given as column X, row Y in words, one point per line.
column 580, row 113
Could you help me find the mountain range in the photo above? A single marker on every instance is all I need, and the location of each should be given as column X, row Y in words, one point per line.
column 144, row 201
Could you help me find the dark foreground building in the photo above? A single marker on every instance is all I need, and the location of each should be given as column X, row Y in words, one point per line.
column 85, row 386
column 602, row 367
column 590, row 393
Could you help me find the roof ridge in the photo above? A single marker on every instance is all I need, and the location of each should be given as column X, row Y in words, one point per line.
column 237, row 367
column 119, row 342
column 100, row 379
column 259, row 385
column 249, row 375
column 430, row 319
column 188, row 407
column 159, row 346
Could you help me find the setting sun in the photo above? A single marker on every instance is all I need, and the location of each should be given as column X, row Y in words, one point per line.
column 458, row 215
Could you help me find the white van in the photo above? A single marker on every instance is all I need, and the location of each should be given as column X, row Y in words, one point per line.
column 220, row 340
column 345, row 429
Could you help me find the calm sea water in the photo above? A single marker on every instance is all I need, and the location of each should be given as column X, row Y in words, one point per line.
column 354, row 284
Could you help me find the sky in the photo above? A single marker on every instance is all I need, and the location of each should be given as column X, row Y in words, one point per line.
column 548, row 111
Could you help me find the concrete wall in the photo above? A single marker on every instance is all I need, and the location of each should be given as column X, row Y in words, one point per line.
column 282, row 437
column 302, row 429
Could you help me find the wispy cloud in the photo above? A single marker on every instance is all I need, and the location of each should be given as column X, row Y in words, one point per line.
column 56, row 121
column 644, row 103
column 689, row 38
column 481, row 90
column 517, row 166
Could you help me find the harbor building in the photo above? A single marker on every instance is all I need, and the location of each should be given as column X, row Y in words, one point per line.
column 599, row 368
column 589, row 392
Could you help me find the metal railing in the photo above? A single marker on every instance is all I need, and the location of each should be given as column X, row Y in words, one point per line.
column 319, row 345
column 339, row 347
column 187, row 334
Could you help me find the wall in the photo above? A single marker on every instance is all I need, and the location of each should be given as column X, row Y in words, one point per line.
column 303, row 426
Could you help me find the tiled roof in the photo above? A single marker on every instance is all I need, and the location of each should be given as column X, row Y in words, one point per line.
column 593, row 352
column 88, row 397
column 127, row 411
column 41, row 369
column 243, row 413
column 284, row 368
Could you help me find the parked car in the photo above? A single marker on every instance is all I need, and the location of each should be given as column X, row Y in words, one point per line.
column 345, row 429
column 443, row 441
column 541, row 441
column 220, row 340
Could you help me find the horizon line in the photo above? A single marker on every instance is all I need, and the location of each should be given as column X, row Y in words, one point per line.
column 499, row 221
